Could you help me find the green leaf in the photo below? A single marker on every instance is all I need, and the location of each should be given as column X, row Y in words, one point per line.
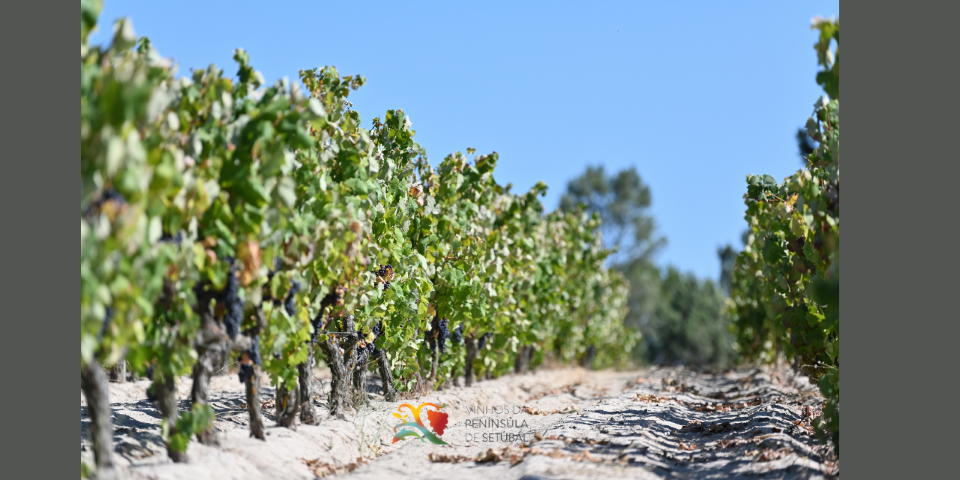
column 287, row 191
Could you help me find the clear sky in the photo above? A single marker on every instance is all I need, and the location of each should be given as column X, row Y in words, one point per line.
column 696, row 95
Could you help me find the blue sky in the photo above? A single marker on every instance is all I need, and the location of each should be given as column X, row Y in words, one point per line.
column 696, row 95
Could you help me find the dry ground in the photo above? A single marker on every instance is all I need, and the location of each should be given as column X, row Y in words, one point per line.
column 568, row 423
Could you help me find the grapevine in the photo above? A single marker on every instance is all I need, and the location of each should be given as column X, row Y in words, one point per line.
column 224, row 219
column 786, row 284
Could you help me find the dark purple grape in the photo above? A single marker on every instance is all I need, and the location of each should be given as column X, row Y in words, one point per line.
column 246, row 371
column 439, row 332
column 377, row 331
column 233, row 303
column 274, row 270
column 317, row 323
column 290, row 304
column 443, row 335
column 108, row 195
column 254, row 352
column 107, row 317
column 458, row 335
column 178, row 238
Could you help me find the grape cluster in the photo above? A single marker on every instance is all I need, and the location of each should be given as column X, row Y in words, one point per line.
column 385, row 273
column 111, row 195
column 374, row 351
column 334, row 298
column 444, row 334
column 107, row 317
column 233, row 303
column 317, row 323
column 486, row 337
column 438, row 334
column 458, row 335
column 290, row 303
column 246, row 371
column 178, row 238
column 108, row 195
column 432, row 338
column 267, row 293
column 273, row 271
column 254, row 352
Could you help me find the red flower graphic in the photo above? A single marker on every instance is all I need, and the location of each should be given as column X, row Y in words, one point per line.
column 438, row 420
column 415, row 428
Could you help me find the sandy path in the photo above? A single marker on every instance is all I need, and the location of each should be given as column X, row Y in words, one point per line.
column 615, row 426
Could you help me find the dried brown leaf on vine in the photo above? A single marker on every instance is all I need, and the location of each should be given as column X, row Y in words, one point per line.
column 249, row 254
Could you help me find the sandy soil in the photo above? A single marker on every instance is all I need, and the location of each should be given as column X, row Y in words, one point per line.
column 565, row 423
